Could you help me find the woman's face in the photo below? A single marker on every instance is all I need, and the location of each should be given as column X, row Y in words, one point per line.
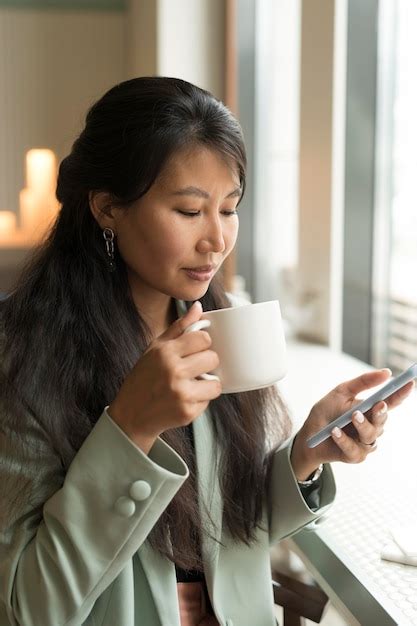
column 186, row 220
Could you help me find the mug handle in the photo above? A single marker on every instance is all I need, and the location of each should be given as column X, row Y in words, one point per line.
column 199, row 325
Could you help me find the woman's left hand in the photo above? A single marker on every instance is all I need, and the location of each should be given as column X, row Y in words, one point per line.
column 355, row 441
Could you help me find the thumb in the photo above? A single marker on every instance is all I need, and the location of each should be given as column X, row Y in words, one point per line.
column 177, row 328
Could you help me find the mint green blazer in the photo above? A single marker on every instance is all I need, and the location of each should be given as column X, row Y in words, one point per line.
column 76, row 553
column 83, row 558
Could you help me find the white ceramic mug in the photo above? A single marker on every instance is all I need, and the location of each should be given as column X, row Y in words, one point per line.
column 250, row 343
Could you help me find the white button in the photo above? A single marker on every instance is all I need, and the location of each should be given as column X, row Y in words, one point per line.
column 125, row 506
column 140, row 490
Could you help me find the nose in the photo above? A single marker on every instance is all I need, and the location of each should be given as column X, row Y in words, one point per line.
column 212, row 238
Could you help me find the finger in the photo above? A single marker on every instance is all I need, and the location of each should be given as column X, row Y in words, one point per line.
column 367, row 432
column 354, row 386
column 352, row 451
column 399, row 396
column 177, row 328
column 200, row 363
column 191, row 343
column 204, row 390
column 378, row 414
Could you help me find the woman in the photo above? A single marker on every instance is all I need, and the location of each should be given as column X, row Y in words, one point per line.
column 133, row 493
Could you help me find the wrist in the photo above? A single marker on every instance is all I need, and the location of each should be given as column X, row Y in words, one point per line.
column 128, row 426
column 313, row 478
column 303, row 465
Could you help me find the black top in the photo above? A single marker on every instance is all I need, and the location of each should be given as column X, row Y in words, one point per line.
column 189, row 576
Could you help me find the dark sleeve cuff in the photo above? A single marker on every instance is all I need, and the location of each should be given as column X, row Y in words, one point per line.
column 311, row 494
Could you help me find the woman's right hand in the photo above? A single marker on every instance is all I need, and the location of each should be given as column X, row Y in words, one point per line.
column 161, row 391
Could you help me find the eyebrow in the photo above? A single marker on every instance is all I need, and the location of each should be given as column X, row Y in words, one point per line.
column 200, row 193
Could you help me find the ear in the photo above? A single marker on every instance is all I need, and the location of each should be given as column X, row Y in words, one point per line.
column 103, row 209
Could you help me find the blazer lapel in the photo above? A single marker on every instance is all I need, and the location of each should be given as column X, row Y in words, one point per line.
column 160, row 573
column 211, row 505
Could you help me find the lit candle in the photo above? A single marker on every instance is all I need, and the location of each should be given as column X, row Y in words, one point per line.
column 7, row 226
column 41, row 171
column 38, row 205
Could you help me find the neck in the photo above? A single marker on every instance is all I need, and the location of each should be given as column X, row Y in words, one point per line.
column 158, row 312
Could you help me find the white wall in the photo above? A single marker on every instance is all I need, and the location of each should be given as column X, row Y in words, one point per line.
column 191, row 42
column 181, row 38
column 53, row 65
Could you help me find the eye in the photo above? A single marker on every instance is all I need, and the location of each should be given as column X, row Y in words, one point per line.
column 188, row 213
column 194, row 213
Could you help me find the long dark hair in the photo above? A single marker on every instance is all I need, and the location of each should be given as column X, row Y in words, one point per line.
column 72, row 331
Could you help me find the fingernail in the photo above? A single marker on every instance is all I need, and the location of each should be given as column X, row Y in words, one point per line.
column 382, row 411
column 337, row 432
column 359, row 417
column 197, row 305
column 386, row 369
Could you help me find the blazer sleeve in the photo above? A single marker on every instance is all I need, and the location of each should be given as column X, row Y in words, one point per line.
column 288, row 510
column 65, row 538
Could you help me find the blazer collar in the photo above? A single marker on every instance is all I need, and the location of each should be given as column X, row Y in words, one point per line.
column 181, row 307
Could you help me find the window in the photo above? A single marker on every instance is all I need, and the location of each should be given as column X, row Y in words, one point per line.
column 395, row 261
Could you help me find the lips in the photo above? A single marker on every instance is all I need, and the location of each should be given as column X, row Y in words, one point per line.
column 202, row 273
column 202, row 268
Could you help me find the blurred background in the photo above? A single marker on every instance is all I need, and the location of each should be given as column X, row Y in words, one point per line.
column 326, row 94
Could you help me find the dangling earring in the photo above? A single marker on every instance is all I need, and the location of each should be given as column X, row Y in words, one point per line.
column 108, row 235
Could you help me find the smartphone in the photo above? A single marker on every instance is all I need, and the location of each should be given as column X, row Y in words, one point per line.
column 387, row 390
